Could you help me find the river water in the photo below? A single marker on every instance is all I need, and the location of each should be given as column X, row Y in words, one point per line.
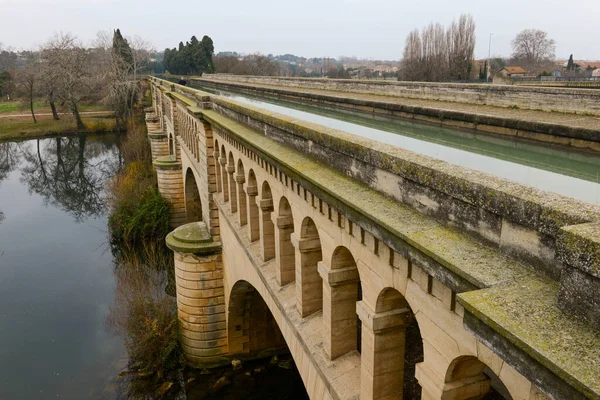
column 56, row 281
column 57, row 284
column 564, row 171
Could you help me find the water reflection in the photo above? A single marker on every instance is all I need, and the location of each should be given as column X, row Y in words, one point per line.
column 56, row 275
column 68, row 172
column 9, row 158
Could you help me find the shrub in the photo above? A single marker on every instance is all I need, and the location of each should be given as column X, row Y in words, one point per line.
column 138, row 212
column 144, row 314
column 141, row 216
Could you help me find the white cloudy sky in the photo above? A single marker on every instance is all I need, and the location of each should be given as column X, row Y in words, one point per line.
column 364, row 28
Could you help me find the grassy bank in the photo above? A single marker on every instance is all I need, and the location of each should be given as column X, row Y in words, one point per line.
column 23, row 127
column 41, row 107
column 142, row 311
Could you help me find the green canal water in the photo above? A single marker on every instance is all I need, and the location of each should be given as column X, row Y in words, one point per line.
column 57, row 284
column 564, row 171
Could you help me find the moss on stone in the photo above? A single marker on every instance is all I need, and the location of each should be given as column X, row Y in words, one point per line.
column 525, row 312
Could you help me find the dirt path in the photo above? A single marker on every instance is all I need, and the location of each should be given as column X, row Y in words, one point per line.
column 50, row 114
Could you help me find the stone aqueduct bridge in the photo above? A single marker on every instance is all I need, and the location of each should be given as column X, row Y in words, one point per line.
column 387, row 274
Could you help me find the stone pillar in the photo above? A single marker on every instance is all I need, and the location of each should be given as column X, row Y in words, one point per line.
column 225, row 184
column 382, row 352
column 253, row 224
column 159, row 144
column 340, row 292
column 242, row 202
column 434, row 388
column 200, row 294
column 170, row 186
column 309, row 285
column 267, row 229
column 284, row 255
column 232, row 189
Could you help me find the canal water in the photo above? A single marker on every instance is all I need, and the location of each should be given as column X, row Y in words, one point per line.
column 57, row 285
column 564, row 171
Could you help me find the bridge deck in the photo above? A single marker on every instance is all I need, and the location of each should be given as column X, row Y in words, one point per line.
column 518, row 303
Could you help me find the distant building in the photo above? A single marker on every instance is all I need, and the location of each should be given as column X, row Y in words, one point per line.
column 512, row 72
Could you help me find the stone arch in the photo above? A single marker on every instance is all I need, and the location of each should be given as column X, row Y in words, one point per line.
column 217, row 167
column 309, row 284
column 232, row 186
column 344, row 292
column 389, row 353
column 285, row 254
column 253, row 212
column 240, row 178
column 468, row 377
column 267, row 228
column 251, row 328
column 171, row 140
column 193, row 204
column 225, row 180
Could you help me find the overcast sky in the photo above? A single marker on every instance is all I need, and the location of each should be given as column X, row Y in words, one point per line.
column 312, row 28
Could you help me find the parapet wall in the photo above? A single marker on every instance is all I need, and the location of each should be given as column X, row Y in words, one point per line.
column 537, row 98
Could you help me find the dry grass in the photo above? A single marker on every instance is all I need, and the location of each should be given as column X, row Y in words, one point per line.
column 21, row 127
column 143, row 313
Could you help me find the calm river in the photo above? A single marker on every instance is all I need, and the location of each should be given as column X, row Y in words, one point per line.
column 57, row 284
column 56, row 280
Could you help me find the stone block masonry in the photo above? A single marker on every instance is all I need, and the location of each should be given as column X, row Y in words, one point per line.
column 170, row 185
column 200, row 294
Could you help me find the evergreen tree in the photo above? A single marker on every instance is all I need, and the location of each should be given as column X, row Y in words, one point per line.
column 121, row 48
column 192, row 58
column 570, row 63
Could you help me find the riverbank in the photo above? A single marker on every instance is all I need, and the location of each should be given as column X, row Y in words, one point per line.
column 22, row 127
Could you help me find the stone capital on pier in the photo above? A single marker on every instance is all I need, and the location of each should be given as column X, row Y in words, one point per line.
column 193, row 238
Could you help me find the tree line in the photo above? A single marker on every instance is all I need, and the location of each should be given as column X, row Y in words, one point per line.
column 437, row 53
column 66, row 73
column 192, row 58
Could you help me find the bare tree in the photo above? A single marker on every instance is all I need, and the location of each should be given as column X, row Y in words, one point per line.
column 533, row 47
column 412, row 56
column 77, row 77
column 28, row 86
column 437, row 54
column 124, row 61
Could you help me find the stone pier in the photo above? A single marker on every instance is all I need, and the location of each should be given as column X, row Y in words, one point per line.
column 200, row 294
column 170, row 185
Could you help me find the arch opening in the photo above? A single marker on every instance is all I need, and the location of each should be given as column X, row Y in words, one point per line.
column 267, row 228
column 253, row 213
column 285, row 254
column 252, row 329
column 392, row 347
column 217, row 167
column 475, row 380
column 240, row 178
column 232, row 186
column 346, row 330
column 193, row 204
column 253, row 333
column 225, row 182
column 309, row 284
